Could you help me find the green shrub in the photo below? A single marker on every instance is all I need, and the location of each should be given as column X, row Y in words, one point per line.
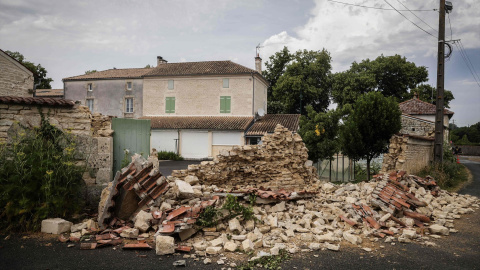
column 448, row 175
column 39, row 177
column 208, row 218
column 235, row 208
column 166, row 155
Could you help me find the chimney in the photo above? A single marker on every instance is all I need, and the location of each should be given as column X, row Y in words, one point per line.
column 160, row 61
column 258, row 64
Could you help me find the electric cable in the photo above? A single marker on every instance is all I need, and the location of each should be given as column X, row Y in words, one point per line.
column 451, row 32
column 468, row 58
column 462, row 53
column 381, row 8
column 411, row 21
column 417, row 16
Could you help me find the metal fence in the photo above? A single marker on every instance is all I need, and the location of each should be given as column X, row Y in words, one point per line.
column 339, row 169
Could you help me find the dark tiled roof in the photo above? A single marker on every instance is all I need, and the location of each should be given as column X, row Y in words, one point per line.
column 199, row 68
column 416, row 106
column 127, row 73
column 201, row 122
column 36, row 101
column 268, row 123
column 49, row 92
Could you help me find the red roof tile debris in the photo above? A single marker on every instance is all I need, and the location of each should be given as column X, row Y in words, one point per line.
column 200, row 122
column 127, row 73
column 267, row 124
column 199, row 68
column 36, row 101
column 416, row 106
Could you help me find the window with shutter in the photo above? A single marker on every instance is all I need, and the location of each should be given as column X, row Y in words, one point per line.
column 170, row 105
column 225, row 104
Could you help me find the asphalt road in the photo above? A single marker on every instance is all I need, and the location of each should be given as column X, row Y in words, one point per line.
column 457, row 251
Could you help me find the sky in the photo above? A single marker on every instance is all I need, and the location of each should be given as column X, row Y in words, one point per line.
column 71, row 37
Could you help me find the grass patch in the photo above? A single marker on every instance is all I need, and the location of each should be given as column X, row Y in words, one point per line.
column 266, row 262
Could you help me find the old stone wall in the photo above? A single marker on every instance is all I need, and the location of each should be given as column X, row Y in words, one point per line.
column 15, row 79
column 281, row 162
column 416, row 126
column 408, row 153
column 93, row 133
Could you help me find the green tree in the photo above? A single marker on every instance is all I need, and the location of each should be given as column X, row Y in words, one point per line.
column 319, row 131
column 298, row 80
column 90, row 71
column 393, row 76
column 427, row 93
column 39, row 72
column 369, row 127
column 274, row 69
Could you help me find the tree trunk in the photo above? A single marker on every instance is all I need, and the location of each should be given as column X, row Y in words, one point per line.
column 368, row 168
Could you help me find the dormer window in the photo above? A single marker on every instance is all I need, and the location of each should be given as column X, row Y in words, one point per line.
column 129, row 85
column 89, row 87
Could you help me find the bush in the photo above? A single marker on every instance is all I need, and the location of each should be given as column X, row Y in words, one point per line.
column 38, row 177
column 166, row 155
column 448, row 175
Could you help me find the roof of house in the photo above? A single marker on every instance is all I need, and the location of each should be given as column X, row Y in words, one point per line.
column 17, row 63
column 200, row 122
column 126, row 73
column 199, row 68
column 36, row 101
column 416, row 106
column 267, row 124
column 49, row 92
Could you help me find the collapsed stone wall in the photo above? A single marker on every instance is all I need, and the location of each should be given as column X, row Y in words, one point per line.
column 408, row 153
column 93, row 133
column 280, row 162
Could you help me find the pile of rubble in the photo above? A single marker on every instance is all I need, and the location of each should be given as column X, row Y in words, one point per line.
column 142, row 209
column 280, row 162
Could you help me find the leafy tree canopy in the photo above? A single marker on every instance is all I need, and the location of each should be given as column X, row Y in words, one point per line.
column 90, row 71
column 39, row 72
column 393, row 76
column 466, row 135
column 319, row 131
column 369, row 127
column 298, row 80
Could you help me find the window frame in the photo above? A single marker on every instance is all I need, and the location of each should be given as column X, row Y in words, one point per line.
column 173, row 85
column 169, row 101
column 127, row 99
column 227, row 80
column 87, row 101
column 90, row 87
column 131, row 85
column 226, row 107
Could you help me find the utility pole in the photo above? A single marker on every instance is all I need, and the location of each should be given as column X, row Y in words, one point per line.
column 438, row 148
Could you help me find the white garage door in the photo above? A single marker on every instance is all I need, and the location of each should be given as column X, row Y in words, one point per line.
column 163, row 140
column 194, row 144
column 227, row 138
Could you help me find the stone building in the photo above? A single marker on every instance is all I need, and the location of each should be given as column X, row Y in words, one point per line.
column 15, row 78
column 113, row 92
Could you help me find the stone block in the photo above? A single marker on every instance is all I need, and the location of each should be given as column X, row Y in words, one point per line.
column 55, row 225
column 104, row 175
column 164, row 245
column 183, row 189
column 104, row 145
column 142, row 221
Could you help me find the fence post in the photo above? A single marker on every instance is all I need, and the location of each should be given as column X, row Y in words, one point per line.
column 343, row 168
column 330, row 171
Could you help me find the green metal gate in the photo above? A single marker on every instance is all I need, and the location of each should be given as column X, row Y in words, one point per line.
column 131, row 134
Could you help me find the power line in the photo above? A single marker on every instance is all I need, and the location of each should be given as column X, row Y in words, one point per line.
column 417, row 16
column 381, row 8
column 464, row 57
column 411, row 21
column 468, row 58
column 451, row 32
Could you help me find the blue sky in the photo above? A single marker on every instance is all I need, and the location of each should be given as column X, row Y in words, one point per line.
column 70, row 37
